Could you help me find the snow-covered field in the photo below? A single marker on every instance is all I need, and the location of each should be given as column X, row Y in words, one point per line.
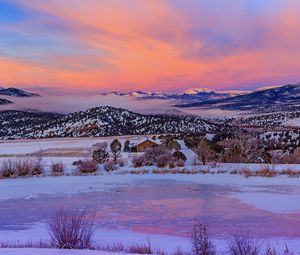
column 139, row 208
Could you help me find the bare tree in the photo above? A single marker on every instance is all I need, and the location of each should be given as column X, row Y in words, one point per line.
column 202, row 245
column 70, row 230
column 244, row 149
column 204, row 152
column 243, row 245
column 152, row 154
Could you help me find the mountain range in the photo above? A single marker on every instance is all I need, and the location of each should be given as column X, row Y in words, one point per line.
column 279, row 98
column 190, row 95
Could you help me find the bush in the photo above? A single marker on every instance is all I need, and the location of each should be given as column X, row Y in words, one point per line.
column 100, row 153
column 202, row 245
column 163, row 161
column 24, row 168
column 179, row 155
column 77, row 162
column 152, row 154
column 109, row 166
column 243, row 245
column 140, row 249
column 138, row 161
column 293, row 158
column 88, row 166
column 37, row 166
column 8, row 168
column 180, row 163
column 57, row 168
column 71, row 231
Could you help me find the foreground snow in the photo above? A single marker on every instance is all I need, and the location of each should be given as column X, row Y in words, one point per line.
column 34, row 251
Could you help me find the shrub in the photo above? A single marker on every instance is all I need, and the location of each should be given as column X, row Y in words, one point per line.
column 291, row 173
column 204, row 152
column 71, row 231
column 24, row 168
column 202, row 245
column 243, row 245
column 57, row 168
column 37, row 166
column 180, row 163
column 100, row 153
column 266, row 172
column 138, row 161
column 88, row 166
column 77, row 162
column 164, row 160
column 172, row 164
column 109, row 166
column 293, row 158
column 8, row 168
column 140, row 249
column 179, row 155
column 152, row 154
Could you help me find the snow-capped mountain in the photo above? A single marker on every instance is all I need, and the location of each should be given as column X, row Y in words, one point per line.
column 100, row 121
column 190, row 95
column 14, row 92
column 196, row 91
column 283, row 98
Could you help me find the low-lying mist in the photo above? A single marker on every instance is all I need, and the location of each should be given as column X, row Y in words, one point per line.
column 72, row 103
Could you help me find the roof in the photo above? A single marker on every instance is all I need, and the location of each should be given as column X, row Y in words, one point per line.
column 144, row 140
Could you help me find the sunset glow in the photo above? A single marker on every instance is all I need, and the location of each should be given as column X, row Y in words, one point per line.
column 160, row 45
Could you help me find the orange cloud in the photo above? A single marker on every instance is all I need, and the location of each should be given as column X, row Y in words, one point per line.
column 154, row 45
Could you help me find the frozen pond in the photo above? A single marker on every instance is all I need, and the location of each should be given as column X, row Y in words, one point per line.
column 169, row 207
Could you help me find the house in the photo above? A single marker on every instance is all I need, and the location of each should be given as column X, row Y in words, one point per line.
column 143, row 145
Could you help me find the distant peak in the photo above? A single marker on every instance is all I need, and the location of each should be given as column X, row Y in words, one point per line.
column 268, row 87
column 194, row 91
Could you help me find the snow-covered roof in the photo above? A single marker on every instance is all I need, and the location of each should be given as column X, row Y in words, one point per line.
column 144, row 139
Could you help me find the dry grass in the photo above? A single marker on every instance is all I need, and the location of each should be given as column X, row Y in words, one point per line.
column 263, row 172
column 40, row 244
column 140, row 249
column 291, row 173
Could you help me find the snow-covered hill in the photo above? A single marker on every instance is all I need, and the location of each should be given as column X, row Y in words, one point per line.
column 4, row 101
column 14, row 92
column 100, row 121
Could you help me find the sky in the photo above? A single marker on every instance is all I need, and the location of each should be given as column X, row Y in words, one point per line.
column 153, row 45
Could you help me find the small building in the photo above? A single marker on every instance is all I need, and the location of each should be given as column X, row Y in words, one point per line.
column 143, row 145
